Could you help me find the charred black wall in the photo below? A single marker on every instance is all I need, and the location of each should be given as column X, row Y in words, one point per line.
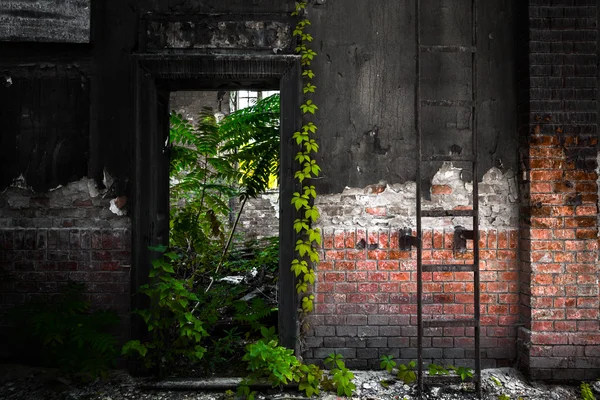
column 44, row 114
column 365, row 75
column 366, row 86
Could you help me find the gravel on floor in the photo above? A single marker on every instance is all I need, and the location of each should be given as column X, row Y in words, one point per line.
column 19, row 382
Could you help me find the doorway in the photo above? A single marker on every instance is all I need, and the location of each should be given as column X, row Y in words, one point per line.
column 155, row 77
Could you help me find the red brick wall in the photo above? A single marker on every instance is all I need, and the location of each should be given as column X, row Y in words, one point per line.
column 49, row 239
column 560, row 337
column 365, row 298
column 559, row 243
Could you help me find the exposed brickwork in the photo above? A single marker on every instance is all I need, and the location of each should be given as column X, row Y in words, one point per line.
column 366, row 298
column 559, row 236
column 49, row 239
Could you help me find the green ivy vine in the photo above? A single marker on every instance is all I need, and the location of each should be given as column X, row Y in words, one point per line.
column 303, row 201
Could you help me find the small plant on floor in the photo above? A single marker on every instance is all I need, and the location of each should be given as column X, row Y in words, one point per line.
column 435, row 369
column 463, row 372
column 406, row 372
column 586, row 392
column 340, row 378
column 278, row 365
column 267, row 360
column 387, row 363
column 504, row 397
column 62, row 332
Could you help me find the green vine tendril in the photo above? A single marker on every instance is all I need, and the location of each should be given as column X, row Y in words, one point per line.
column 308, row 214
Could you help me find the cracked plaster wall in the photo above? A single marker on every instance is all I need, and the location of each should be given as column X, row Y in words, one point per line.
column 394, row 206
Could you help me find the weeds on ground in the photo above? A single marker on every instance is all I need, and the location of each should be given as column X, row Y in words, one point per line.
column 63, row 332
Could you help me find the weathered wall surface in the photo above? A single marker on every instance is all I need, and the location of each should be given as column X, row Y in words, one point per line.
column 44, row 120
column 366, row 285
column 69, row 233
column 558, row 132
column 45, row 20
column 545, row 285
column 365, row 293
column 366, row 62
column 66, row 123
column 191, row 103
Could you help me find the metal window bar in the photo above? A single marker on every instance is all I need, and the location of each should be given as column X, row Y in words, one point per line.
column 475, row 321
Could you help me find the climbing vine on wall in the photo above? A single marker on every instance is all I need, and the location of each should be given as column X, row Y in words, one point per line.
column 303, row 201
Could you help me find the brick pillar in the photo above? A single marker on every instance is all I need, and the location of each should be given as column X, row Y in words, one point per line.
column 559, row 337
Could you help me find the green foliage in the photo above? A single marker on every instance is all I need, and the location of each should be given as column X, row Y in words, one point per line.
column 211, row 162
column 267, row 359
column 463, row 372
column 261, row 255
column 176, row 331
column 340, row 377
column 435, row 369
column 387, row 363
column 307, row 168
column 62, row 332
column 252, row 312
column 496, row 380
column 586, row 392
column 504, row 397
column 406, row 372
column 278, row 366
column 251, row 140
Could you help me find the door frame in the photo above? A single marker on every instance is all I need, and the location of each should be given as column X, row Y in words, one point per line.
column 155, row 75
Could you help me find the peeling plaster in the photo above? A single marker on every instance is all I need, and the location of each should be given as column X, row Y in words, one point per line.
column 114, row 208
column 498, row 204
column 69, row 196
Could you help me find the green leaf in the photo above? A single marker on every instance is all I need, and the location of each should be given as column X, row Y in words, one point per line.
column 309, row 88
column 307, row 303
column 300, row 224
column 299, row 201
column 314, row 236
column 299, row 267
column 312, row 214
column 300, row 137
column 301, row 287
column 302, row 247
column 308, row 73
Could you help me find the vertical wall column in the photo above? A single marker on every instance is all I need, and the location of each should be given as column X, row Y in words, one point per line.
column 559, row 217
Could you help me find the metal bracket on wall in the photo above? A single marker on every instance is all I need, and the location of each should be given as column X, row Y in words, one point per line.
column 406, row 241
column 461, row 235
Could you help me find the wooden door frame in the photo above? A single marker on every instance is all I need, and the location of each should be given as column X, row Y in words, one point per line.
column 156, row 74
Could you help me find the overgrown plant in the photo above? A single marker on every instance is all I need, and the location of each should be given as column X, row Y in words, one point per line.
column 278, row 366
column 267, row 361
column 211, row 161
column 176, row 332
column 303, row 201
column 340, row 378
column 62, row 332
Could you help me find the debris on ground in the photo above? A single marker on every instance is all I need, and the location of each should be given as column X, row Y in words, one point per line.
column 26, row 383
